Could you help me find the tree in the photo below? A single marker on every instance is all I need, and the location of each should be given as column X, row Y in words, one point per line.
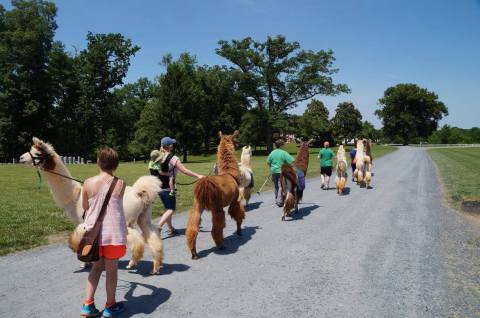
column 315, row 123
column 369, row 131
column 253, row 128
column 276, row 75
column 100, row 68
column 408, row 112
column 148, row 131
column 347, row 122
column 223, row 106
column 26, row 101
column 179, row 98
column 130, row 100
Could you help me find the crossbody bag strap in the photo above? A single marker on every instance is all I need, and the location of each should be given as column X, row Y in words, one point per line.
column 98, row 223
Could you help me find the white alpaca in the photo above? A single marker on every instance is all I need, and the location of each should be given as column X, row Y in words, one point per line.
column 137, row 203
column 246, row 175
column 368, row 163
column 360, row 162
column 341, row 169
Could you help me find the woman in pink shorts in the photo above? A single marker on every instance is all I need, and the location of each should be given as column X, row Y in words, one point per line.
column 113, row 235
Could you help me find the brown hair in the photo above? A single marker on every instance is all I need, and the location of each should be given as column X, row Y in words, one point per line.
column 107, row 159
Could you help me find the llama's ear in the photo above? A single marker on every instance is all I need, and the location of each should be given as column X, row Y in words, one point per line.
column 236, row 133
column 220, row 135
column 310, row 142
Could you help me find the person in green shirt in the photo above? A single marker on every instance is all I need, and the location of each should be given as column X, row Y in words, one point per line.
column 326, row 163
column 275, row 161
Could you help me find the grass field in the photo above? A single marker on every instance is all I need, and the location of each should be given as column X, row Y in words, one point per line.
column 28, row 215
column 460, row 172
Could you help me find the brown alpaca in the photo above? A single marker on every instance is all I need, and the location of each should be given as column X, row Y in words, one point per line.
column 289, row 190
column 216, row 192
column 301, row 163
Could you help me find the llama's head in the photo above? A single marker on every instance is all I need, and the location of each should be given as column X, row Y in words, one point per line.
column 229, row 141
column 306, row 144
column 247, row 151
column 41, row 154
column 360, row 145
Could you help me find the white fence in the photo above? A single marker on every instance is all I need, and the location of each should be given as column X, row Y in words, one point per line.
column 65, row 159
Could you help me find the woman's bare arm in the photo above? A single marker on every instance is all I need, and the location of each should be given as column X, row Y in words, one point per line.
column 186, row 171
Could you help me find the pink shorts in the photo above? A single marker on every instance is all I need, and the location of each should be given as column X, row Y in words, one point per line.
column 112, row 251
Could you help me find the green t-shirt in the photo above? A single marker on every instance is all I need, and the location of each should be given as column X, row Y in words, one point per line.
column 154, row 165
column 326, row 156
column 277, row 159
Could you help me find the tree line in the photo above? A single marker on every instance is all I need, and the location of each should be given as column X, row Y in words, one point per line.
column 78, row 100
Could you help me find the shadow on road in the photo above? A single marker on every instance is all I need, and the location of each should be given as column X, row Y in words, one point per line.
column 302, row 212
column 144, row 267
column 253, row 206
column 143, row 304
column 232, row 242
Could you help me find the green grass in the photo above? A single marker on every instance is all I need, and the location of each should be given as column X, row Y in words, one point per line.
column 460, row 172
column 28, row 215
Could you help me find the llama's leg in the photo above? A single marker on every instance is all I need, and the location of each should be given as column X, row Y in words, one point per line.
column 135, row 240
column 237, row 212
column 153, row 239
column 241, row 194
column 218, row 223
column 247, row 194
column 193, row 226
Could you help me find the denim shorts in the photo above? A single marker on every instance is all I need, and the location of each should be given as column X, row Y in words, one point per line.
column 169, row 202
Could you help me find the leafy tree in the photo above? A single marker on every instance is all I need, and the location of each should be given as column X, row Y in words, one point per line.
column 100, row 68
column 130, row 100
column 369, row 131
column 253, row 128
column 347, row 122
column 223, row 106
column 409, row 111
column 26, row 101
column 179, row 97
column 455, row 135
column 148, row 131
column 276, row 75
column 315, row 123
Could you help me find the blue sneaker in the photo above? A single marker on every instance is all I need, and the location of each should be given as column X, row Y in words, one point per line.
column 90, row 311
column 113, row 310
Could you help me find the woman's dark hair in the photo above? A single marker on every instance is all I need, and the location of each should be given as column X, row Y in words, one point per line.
column 107, row 159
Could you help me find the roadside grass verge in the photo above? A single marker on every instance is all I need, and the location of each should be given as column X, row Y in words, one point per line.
column 28, row 215
column 459, row 172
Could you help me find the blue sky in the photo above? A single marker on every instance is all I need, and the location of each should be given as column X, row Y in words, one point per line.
column 377, row 43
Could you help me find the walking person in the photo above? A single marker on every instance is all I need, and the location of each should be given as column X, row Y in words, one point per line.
column 353, row 154
column 169, row 164
column 113, row 233
column 276, row 159
column 326, row 163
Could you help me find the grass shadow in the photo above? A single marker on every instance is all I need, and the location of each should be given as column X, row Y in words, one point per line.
column 143, row 304
column 144, row 267
column 232, row 242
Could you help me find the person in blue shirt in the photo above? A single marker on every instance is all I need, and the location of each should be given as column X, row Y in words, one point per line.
column 353, row 153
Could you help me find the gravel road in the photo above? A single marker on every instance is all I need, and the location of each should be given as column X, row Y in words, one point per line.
column 391, row 251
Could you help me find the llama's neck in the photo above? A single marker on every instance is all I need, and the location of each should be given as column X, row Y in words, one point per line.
column 226, row 161
column 301, row 161
column 245, row 161
column 64, row 191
